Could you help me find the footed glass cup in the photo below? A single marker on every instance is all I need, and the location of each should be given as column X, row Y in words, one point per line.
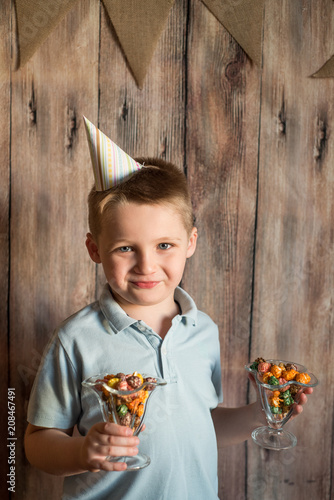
column 113, row 401
column 273, row 436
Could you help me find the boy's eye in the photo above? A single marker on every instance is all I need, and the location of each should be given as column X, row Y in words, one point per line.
column 164, row 246
column 125, row 249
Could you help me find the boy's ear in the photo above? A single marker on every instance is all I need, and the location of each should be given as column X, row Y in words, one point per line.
column 92, row 249
column 192, row 242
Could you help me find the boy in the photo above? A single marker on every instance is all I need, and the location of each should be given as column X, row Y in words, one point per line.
column 141, row 231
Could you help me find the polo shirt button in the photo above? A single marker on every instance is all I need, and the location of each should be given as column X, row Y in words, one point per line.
column 164, row 350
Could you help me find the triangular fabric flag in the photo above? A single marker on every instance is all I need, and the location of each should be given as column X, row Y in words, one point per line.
column 326, row 71
column 110, row 164
column 138, row 25
column 243, row 19
column 35, row 19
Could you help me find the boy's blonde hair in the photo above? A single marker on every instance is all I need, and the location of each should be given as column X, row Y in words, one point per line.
column 158, row 182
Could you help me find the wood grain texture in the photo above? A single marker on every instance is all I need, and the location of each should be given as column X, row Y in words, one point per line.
column 51, row 276
column 293, row 307
column 148, row 121
column 221, row 159
column 256, row 145
column 5, row 102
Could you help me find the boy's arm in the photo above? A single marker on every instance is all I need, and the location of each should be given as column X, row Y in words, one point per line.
column 57, row 452
column 235, row 425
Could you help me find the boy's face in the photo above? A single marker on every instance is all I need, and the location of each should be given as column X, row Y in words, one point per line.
column 143, row 251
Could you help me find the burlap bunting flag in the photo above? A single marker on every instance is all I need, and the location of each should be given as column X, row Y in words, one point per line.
column 327, row 70
column 243, row 20
column 138, row 25
column 35, row 19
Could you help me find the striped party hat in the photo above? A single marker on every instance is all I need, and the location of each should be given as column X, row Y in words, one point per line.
column 110, row 164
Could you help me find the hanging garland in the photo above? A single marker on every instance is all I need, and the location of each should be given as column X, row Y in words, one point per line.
column 138, row 25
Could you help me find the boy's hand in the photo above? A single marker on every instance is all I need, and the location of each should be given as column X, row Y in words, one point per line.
column 107, row 439
column 297, row 407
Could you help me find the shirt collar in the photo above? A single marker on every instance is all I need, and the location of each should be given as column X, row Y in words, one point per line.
column 187, row 305
column 118, row 319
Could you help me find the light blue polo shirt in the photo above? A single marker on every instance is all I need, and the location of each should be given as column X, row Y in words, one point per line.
column 179, row 436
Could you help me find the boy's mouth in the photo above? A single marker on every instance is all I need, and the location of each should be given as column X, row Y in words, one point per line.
column 146, row 284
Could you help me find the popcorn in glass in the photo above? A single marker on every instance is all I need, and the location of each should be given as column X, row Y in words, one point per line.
column 123, row 400
column 280, row 384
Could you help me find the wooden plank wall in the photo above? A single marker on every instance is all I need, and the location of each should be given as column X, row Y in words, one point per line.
column 257, row 149
column 293, row 283
column 4, row 228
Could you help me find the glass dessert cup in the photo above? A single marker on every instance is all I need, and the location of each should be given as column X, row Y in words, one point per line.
column 274, row 437
column 113, row 401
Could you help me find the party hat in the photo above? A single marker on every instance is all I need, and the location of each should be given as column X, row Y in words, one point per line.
column 110, row 164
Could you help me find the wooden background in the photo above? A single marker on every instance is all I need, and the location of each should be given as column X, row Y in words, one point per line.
column 257, row 147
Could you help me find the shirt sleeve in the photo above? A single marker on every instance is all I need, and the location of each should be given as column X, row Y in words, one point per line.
column 55, row 396
column 216, row 373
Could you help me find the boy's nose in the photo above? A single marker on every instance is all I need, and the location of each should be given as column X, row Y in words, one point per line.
column 145, row 263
